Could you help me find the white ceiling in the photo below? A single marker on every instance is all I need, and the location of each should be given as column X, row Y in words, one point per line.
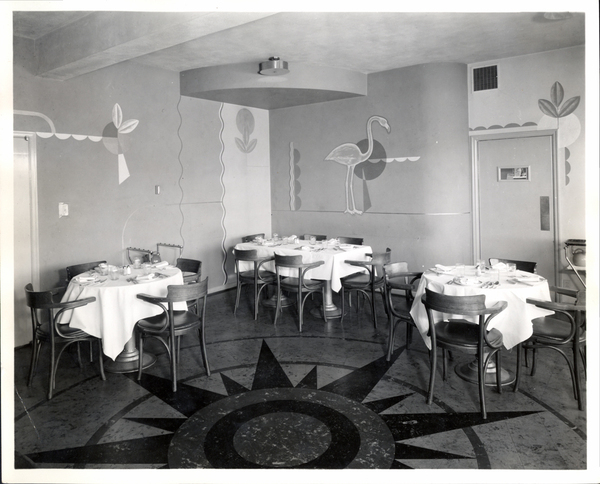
column 363, row 41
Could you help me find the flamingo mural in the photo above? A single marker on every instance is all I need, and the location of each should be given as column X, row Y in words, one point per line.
column 349, row 154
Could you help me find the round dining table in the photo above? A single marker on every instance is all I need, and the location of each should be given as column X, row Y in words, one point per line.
column 112, row 317
column 332, row 271
column 515, row 322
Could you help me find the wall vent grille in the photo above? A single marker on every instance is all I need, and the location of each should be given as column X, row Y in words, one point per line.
column 485, row 78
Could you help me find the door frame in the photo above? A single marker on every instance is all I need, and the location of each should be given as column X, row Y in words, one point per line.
column 31, row 138
column 510, row 133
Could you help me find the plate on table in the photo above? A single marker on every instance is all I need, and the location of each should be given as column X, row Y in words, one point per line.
column 87, row 278
column 347, row 246
column 467, row 281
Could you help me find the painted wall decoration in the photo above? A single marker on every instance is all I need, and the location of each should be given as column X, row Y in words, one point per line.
column 295, row 201
column 350, row 155
column 560, row 115
column 113, row 137
column 245, row 124
column 366, row 160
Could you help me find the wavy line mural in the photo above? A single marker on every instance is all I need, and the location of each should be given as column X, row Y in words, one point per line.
column 113, row 137
column 224, row 210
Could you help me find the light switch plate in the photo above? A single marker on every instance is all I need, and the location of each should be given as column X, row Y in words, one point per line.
column 63, row 209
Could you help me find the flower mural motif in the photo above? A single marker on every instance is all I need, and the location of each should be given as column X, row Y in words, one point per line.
column 115, row 139
column 245, row 124
column 560, row 115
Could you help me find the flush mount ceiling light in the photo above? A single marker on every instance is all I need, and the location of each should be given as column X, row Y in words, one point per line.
column 273, row 67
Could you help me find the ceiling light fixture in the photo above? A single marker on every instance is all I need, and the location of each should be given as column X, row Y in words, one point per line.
column 273, row 67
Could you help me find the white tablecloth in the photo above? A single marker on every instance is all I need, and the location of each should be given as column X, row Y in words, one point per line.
column 333, row 269
column 514, row 322
column 113, row 315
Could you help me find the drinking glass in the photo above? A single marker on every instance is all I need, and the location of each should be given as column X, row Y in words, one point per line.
column 113, row 273
column 459, row 269
column 312, row 240
column 512, row 267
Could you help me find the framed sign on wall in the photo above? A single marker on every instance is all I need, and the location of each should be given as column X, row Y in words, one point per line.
column 514, row 173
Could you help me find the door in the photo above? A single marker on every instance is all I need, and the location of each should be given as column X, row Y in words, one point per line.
column 516, row 200
column 26, row 262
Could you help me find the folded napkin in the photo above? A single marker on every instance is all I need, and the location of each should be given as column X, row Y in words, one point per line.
column 145, row 277
column 531, row 278
column 467, row 281
column 500, row 266
column 160, row 265
column 346, row 246
column 87, row 278
column 442, row 268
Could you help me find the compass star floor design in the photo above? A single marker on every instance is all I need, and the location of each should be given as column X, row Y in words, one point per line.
column 322, row 399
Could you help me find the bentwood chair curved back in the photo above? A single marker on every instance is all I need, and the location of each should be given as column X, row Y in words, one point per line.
column 463, row 335
column 250, row 238
column 168, row 326
column 400, row 286
column 367, row 283
column 190, row 268
column 522, row 265
column 77, row 269
column 564, row 332
column 46, row 315
column 350, row 240
column 257, row 277
column 297, row 283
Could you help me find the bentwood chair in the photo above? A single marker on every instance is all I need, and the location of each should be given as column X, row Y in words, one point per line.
column 317, row 237
column 522, row 265
column 250, row 238
column 400, row 286
column 257, row 277
column 46, row 326
column 466, row 336
column 368, row 283
column 190, row 268
column 564, row 332
column 297, row 284
column 168, row 326
column 77, row 269
column 351, row 240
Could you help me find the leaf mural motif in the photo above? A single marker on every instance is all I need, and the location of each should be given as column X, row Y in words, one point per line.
column 557, row 93
column 547, row 108
column 128, row 126
column 117, row 116
column 251, row 145
column 240, row 145
column 569, row 106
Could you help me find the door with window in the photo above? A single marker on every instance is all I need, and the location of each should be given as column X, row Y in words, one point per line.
column 26, row 260
column 516, row 200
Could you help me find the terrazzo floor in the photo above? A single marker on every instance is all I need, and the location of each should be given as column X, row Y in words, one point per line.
column 325, row 398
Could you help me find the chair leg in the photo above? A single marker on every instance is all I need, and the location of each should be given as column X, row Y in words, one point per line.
column 391, row 337
column 52, row 364
column 498, row 371
column 300, row 307
column 343, row 298
column 101, row 360
column 373, row 312
column 577, row 374
column 237, row 297
column 173, row 361
column 203, row 349
column 432, row 365
column 481, row 367
column 444, row 364
column 35, row 350
column 518, row 369
column 278, row 305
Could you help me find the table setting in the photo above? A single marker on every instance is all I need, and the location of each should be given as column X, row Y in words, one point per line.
column 331, row 252
column 116, row 310
column 500, row 282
